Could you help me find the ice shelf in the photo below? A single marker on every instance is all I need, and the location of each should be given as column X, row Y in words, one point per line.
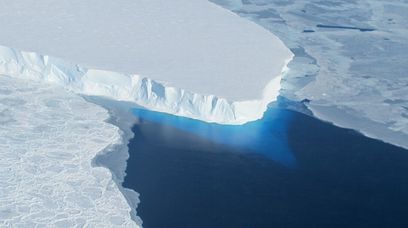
column 191, row 57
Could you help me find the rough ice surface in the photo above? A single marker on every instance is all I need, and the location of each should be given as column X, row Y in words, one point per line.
column 198, row 59
column 49, row 138
column 350, row 59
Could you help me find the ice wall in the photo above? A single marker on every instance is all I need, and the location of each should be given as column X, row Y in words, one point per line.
column 137, row 89
column 193, row 45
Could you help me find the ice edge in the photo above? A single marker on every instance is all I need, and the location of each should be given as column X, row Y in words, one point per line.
column 137, row 89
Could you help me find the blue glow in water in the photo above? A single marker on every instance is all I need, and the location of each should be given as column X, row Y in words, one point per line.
column 266, row 136
column 195, row 174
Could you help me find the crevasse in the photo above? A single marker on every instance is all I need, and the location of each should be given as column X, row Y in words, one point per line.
column 134, row 88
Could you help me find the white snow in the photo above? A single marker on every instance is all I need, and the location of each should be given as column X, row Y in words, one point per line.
column 183, row 46
column 48, row 140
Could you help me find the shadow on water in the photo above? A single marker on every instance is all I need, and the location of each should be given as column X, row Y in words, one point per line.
column 265, row 137
column 345, row 27
column 193, row 174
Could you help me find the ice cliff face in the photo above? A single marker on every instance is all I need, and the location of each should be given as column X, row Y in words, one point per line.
column 134, row 88
column 204, row 62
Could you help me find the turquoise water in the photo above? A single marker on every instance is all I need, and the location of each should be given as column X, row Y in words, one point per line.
column 286, row 170
column 267, row 137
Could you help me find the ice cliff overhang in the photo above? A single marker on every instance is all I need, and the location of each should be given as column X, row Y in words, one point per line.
column 187, row 57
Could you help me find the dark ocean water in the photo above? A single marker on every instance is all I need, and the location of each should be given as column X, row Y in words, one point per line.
column 286, row 170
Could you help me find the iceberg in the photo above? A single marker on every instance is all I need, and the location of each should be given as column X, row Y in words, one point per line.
column 188, row 58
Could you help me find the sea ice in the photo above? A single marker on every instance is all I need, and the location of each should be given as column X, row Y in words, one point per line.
column 350, row 60
column 49, row 138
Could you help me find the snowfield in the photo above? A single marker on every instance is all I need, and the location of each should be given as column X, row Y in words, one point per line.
column 48, row 140
column 190, row 57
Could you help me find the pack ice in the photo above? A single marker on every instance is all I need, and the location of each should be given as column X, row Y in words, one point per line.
column 187, row 57
column 48, row 139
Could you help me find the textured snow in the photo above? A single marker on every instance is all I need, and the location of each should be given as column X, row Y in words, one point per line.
column 350, row 59
column 48, row 140
column 193, row 45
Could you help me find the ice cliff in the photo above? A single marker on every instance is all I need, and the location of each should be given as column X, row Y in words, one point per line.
column 188, row 57
column 134, row 88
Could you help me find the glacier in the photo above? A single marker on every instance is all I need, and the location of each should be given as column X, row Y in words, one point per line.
column 188, row 58
column 134, row 88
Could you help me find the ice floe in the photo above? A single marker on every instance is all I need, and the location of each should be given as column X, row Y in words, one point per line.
column 48, row 139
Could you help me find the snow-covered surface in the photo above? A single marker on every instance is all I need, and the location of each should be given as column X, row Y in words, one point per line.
column 48, row 140
column 193, row 45
column 356, row 75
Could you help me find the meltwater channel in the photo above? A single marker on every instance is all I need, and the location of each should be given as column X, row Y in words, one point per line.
column 285, row 170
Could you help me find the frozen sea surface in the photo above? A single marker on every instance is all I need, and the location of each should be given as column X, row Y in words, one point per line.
column 48, row 139
column 351, row 59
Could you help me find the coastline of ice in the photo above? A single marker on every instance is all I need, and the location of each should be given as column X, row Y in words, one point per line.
column 49, row 139
column 134, row 88
column 350, row 60
column 115, row 157
column 192, row 57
